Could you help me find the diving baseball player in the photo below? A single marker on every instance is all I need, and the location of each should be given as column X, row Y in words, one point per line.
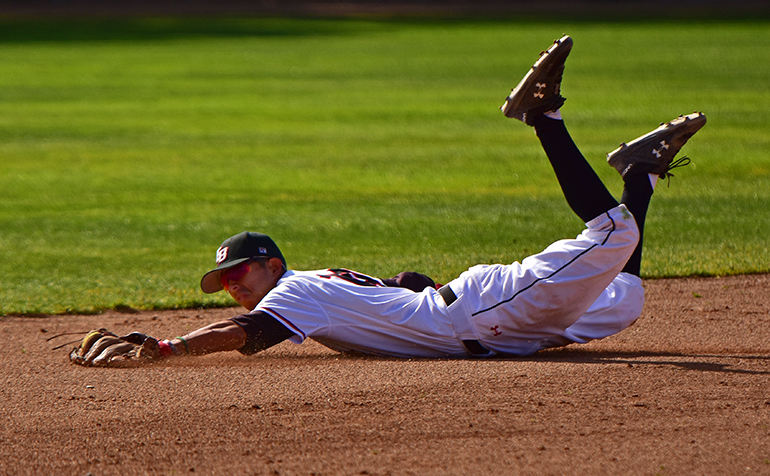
column 573, row 291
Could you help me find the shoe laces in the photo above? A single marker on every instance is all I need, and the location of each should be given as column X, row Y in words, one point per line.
column 681, row 162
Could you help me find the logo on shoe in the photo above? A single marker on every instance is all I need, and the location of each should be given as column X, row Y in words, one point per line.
column 657, row 152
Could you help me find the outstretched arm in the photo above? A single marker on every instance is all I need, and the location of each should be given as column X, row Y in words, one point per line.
column 248, row 334
column 218, row 337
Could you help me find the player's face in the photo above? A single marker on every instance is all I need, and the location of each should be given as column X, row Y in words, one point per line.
column 249, row 283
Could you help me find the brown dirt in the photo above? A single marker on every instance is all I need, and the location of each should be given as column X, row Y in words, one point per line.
column 684, row 391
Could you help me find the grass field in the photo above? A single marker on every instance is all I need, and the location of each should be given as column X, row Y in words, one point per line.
column 131, row 149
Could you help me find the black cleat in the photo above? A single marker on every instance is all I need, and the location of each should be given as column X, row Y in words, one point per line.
column 653, row 153
column 539, row 91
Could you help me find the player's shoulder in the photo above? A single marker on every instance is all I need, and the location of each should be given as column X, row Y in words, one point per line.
column 294, row 278
column 330, row 278
column 293, row 275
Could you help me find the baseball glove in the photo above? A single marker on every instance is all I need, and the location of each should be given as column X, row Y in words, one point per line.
column 102, row 348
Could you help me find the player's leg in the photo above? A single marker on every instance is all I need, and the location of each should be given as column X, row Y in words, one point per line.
column 643, row 161
column 536, row 102
column 637, row 192
column 549, row 292
column 524, row 307
column 584, row 191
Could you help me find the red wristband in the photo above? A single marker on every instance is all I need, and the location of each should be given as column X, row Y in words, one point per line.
column 166, row 348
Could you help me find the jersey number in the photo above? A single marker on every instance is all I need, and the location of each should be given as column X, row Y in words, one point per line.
column 352, row 277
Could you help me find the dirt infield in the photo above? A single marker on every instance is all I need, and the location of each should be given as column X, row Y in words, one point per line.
column 684, row 391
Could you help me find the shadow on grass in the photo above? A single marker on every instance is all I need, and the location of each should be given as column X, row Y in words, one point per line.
column 152, row 29
column 169, row 27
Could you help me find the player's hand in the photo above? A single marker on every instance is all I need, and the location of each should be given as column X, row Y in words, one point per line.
column 105, row 349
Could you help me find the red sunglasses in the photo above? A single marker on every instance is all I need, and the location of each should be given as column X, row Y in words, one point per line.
column 236, row 273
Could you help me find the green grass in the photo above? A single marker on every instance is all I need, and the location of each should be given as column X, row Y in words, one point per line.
column 130, row 149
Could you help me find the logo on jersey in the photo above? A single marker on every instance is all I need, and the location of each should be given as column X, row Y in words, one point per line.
column 222, row 254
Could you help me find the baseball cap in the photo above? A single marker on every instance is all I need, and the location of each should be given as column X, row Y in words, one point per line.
column 236, row 250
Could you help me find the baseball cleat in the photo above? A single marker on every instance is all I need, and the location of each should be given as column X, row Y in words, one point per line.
column 653, row 153
column 539, row 91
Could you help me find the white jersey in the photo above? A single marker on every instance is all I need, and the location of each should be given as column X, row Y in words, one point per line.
column 571, row 292
column 349, row 311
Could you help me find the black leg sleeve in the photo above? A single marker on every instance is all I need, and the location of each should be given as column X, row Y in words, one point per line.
column 584, row 191
column 636, row 197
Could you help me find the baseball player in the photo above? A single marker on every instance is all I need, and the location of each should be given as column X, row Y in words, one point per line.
column 574, row 291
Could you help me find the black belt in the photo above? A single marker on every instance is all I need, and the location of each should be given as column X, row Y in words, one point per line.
column 448, row 295
column 472, row 346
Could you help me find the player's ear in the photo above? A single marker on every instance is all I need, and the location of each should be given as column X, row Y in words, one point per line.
column 275, row 267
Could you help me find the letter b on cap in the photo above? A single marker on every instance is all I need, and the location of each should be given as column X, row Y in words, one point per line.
column 222, row 254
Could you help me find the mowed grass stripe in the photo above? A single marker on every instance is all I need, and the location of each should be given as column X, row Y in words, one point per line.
column 131, row 149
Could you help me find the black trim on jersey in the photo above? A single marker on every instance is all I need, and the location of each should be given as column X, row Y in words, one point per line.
column 410, row 280
column 555, row 271
column 262, row 331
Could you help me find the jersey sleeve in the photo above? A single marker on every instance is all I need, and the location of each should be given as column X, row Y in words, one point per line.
column 293, row 304
column 262, row 332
